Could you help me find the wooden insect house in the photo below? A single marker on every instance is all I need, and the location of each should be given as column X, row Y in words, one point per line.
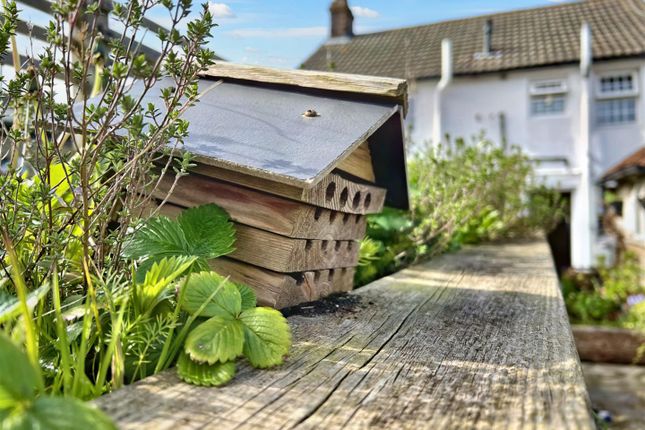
column 297, row 159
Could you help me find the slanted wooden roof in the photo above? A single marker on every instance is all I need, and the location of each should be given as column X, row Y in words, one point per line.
column 520, row 39
column 250, row 120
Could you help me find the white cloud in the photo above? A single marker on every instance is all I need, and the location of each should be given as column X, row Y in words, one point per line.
column 364, row 12
column 280, row 32
column 220, row 10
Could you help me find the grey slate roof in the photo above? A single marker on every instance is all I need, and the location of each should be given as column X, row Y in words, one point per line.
column 525, row 38
column 259, row 130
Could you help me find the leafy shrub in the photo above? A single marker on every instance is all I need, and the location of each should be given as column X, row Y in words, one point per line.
column 602, row 297
column 460, row 194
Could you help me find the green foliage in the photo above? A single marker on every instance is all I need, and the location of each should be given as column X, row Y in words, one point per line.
column 602, row 297
column 23, row 405
column 204, row 232
column 267, row 337
column 460, row 194
column 234, row 327
column 199, row 298
column 209, row 375
column 219, row 338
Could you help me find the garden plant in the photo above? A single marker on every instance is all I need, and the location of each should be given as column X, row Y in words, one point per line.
column 92, row 294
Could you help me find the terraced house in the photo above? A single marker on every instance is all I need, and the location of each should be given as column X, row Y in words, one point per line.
column 564, row 82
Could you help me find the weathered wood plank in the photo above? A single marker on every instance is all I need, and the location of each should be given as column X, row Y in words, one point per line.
column 283, row 254
column 262, row 210
column 287, row 255
column 343, row 196
column 359, row 163
column 478, row 339
column 281, row 290
column 390, row 88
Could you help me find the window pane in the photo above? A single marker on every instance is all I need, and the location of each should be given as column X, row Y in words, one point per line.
column 617, row 84
column 547, row 104
column 615, row 111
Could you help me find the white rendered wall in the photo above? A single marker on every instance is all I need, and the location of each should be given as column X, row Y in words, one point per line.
column 471, row 105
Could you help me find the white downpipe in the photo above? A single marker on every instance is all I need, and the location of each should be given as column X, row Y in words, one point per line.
column 583, row 200
column 446, row 78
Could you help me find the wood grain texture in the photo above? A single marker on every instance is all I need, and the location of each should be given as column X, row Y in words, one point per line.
column 287, row 255
column 359, row 163
column 281, row 290
column 474, row 340
column 262, row 210
column 390, row 88
column 345, row 196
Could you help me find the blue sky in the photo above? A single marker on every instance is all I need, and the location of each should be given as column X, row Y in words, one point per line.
column 282, row 33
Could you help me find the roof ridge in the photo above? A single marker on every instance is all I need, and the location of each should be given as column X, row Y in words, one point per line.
column 574, row 3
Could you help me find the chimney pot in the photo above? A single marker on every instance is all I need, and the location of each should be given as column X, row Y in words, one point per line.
column 342, row 19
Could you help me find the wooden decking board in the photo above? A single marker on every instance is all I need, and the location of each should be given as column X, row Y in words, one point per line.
column 477, row 339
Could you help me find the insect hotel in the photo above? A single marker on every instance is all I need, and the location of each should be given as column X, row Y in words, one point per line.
column 297, row 159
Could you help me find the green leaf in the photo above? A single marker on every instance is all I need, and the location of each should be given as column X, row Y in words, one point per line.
column 158, row 278
column 249, row 299
column 267, row 337
column 19, row 380
column 208, row 230
column 210, row 375
column 58, row 413
column 159, row 237
column 226, row 301
column 10, row 306
column 217, row 339
column 204, row 232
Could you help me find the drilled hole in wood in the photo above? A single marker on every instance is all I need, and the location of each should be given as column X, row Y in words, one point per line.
column 332, row 216
column 357, row 200
column 331, row 274
column 316, row 276
column 307, row 245
column 323, row 245
column 337, row 245
column 350, row 245
column 331, row 190
column 358, row 218
column 343, row 196
column 368, row 200
column 346, row 218
column 318, row 213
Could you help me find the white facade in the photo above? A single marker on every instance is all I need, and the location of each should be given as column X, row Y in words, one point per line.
column 570, row 149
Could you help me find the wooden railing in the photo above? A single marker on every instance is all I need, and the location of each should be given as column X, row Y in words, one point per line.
column 476, row 339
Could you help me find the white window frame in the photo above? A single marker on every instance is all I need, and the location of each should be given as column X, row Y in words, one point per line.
column 561, row 88
column 545, row 88
column 617, row 94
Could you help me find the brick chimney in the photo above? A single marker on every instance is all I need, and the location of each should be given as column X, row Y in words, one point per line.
column 342, row 19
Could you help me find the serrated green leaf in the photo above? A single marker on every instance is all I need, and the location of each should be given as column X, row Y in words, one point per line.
column 59, row 413
column 208, row 230
column 267, row 336
column 217, row 339
column 10, row 306
column 210, row 375
column 249, row 299
column 19, row 381
column 213, row 293
column 159, row 237
column 158, row 278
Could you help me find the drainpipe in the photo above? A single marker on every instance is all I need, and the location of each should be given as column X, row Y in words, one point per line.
column 584, row 217
column 446, row 78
